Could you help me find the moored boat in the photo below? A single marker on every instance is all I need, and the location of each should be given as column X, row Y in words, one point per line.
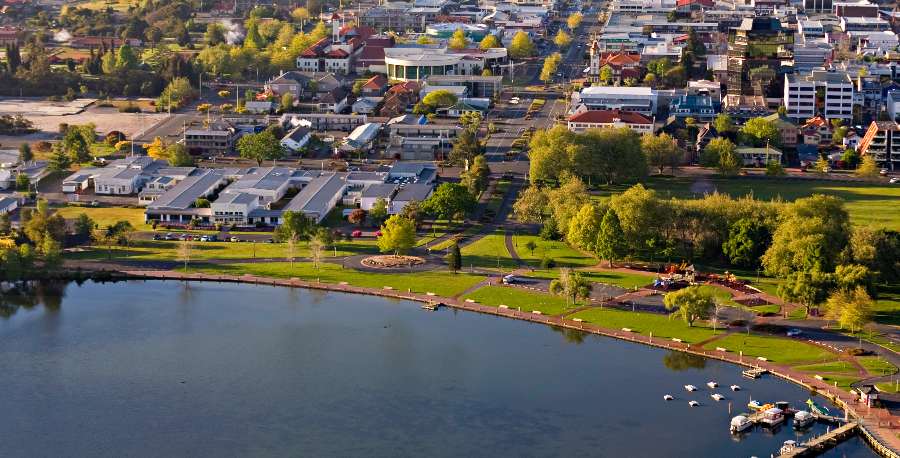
column 717, row 396
column 740, row 424
column 803, row 419
column 693, row 403
column 735, row 388
column 690, row 387
column 668, row 397
column 788, row 446
column 712, row 384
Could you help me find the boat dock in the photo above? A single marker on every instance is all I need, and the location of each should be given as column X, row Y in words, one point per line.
column 755, row 372
column 431, row 306
column 822, row 443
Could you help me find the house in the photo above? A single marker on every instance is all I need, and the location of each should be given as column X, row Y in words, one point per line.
column 322, row 122
column 334, row 101
column 87, row 42
column 365, row 105
column 8, row 204
column 817, row 131
column 851, row 141
column 9, row 36
column 594, row 119
column 361, row 138
column 257, row 107
column 759, row 157
column 461, row 108
column 690, row 6
column 376, row 86
column 297, row 139
column 790, row 133
column 293, row 82
column 705, row 134
column 868, row 394
column 399, row 97
column 223, row 9
column 80, row 180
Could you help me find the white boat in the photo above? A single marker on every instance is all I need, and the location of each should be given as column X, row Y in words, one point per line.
column 718, row 397
column 735, row 388
column 712, row 384
column 693, row 403
column 772, row 417
column 690, row 387
column 803, row 419
column 740, row 424
column 668, row 397
column 787, row 447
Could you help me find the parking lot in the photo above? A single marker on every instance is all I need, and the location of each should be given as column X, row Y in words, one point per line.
column 47, row 116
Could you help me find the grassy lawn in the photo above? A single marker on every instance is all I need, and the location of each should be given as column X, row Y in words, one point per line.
column 106, row 216
column 562, row 253
column 336, row 218
column 472, row 230
column 485, row 252
column 721, row 295
column 877, row 365
column 161, row 250
column 646, row 323
column 886, row 307
column 515, row 298
column 889, row 387
column 840, row 367
column 437, row 229
column 869, row 336
column 843, row 381
column 442, row 283
column 625, row 280
column 777, row 350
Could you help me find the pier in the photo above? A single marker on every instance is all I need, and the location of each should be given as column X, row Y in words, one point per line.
column 822, row 443
column 755, row 372
column 431, row 306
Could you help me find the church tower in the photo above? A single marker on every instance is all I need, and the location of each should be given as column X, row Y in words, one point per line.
column 594, row 69
column 335, row 28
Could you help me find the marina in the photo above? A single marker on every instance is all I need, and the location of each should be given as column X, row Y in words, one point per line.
column 819, row 444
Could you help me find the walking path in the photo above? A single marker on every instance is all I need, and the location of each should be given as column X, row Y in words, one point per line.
column 875, row 423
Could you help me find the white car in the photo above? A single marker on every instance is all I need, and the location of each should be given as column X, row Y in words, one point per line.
column 514, row 101
column 509, row 279
column 895, row 180
column 794, row 332
column 205, row 238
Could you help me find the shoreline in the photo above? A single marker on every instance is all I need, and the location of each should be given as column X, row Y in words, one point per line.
column 839, row 397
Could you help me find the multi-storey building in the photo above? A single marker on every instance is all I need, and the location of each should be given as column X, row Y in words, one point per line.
column 882, row 141
column 839, row 94
column 760, row 53
column 218, row 138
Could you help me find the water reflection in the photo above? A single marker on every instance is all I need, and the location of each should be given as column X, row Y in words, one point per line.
column 27, row 295
column 680, row 362
column 575, row 336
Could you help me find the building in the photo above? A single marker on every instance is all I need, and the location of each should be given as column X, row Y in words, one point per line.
column 700, row 107
column 233, row 208
column 744, row 108
column 87, row 42
column 817, row 130
column 323, row 122
column 839, row 93
column 8, row 204
column 595, row 119
column 176, row 205
column 376, row 86
column 9, row 36
column 318, row 197
column 218, row 138
column 361, row 138
column 864, row 24
column 334, row 101
column 337, row 53
column 124, row 176
column 619, row 65
column 812, row 53
column 790, row 133
column 759, row 157
column 395, row 195
column 260, row 107
column 415, row 62
column 478, row 85
column 365, row 105
column 641, row 100
column 297, row 139
column 268, row 184
column 760, row 53
column 882, row 141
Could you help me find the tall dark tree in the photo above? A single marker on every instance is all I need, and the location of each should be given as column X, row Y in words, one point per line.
column 454, row 259
column 13, row 58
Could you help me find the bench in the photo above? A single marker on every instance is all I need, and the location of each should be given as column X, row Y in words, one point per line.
column 502, row 307
column 676, row 340
column 626, row 329
column 576, row 320
column 388, row 287
column 720, row 349
column 762, row 359
column 471, row 301
column 536, row 312
column 429, row 294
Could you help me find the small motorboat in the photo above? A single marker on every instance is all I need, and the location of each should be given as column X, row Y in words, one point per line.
column 693, row 403
column 717, row 397
column 740, row 424
column 712, row 384
column 690, row 387
column 668, row 397
column 735, row 388
column 803, row 419
column 755, row 405
column 788, row 446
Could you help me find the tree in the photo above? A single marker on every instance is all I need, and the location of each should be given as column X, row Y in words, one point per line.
column 202, row 203
column 562, row 39
column 25, row 153
column 851, row 157
column 807, row 288
column 449, row 200
column 610, row 239
column 178, row 156
column 521, row 46
column 672, row 16
column 317, row 246
column 300, row 14
column 76, row 145
column 583, row 228
column 774, row 169
column 295, row 224
column 425, row 40
column 458, row 40
column 661, row 151
column 692, row 303
column 23, row 182
column 156, row 149
column 60, row 160
column 868, row 168
column 184, row 252
column 128, row 59
column 490, row 41
column 853, row 308
column 253, row 38
column 440, row 98
column 44, row 223
column 571, row 284
column 466, row 148
column 612, row 154
column 531, row 246
column 551, row 64
column 759, row 132
column 747, row 241
column 530, row 205
column 723, row 123
column 454, row 259
column 811, row 234
column 722, row 155
column 397, row 235
column 549, row 153
column 52, row 258
column 290, row 249
column 379, row 211
column 260, row 147
column 357, row 217
column 606, row 74
column 84, row 225
column 574, row 21
column 287, row 102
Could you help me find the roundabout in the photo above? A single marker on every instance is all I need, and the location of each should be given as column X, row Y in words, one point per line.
column 392, row 262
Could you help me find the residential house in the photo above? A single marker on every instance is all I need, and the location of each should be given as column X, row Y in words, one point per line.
column 759, row 157
column 223, row 9
column 594, row 119
column 260, row 107
column 463, row 108
column 790, row 133
column 400, row 97
column 376, row 86
column 322, row 122
column 297, row 139
column 705, row 134
column 294, row 83
column 361, row 138
column 817, row 131
column 364, row 105
column 8, row 204
column 334, row 101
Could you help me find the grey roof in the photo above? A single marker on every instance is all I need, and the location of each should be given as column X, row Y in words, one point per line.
column 317, row 193
column 367, row 176
column 413, row 191
column 266, row 178
column 9, row 156
column 186, row 192
column 6, row 202
column 118, row 174
column 175, row 171
column 297, row 134
column 81, row 175
column 385, row 190
column 406, row 119
column 365, row 132
column 236, row 198
column 405, row 168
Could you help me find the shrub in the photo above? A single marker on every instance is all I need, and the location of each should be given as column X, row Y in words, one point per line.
column 857, row 352
column 153, row 223
column 396, row 156
column 737, row 323
column 195, row 222
column 130, row 108
column 42, row 146
column 63, row 127
column 233, row 227
column 547, row 262
column 260, row 224
column 769, row 328
column 357, row 233
column 219, row 227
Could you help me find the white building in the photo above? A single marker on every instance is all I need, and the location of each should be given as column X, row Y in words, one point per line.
column 417, row 62
column 840, row 95
column 297, row 138
column 233, row 208
column 641, row 100
column 595, row 119
column 268, row 184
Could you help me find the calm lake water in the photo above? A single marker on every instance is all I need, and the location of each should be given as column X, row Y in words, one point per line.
column 225, row 370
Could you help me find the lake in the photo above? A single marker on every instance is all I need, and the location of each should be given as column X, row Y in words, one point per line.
column 135, row 369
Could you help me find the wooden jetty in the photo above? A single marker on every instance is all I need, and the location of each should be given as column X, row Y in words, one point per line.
column 431, row 306
column 822, row 443
column 756, row 372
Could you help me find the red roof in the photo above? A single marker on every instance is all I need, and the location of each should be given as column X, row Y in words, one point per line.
column 621, row 58
column 316, row 49
column 337, row 54
column 362, row 31
column 223, row 6
column 708, row 3
column 610, row 116
column 376, row 82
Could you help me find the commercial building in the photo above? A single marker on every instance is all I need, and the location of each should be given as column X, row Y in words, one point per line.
column 839, row 90
column 217, row 138
column 177, row 204
column 760, row 52
column 410, row 62
column 641, row 100
column 596, row 119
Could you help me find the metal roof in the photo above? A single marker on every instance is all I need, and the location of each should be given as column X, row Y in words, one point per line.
column 186, row 192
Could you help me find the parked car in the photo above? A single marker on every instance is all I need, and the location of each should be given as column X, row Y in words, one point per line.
column 155, row 236
column 895, row 180
column 884, row 172
column 95, row 203
column 169, row 236
column 271, row 240
column 212, row 238
column 509, row 279
column 205, row 238
column 794, row 332
column 233, row 239
column 183, row 237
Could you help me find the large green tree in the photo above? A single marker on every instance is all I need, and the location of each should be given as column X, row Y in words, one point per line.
column 610, row 239
column 661, row 151
column 398, row 235
column 722, row 155
column 757, row 132
column 583, row 228
column 490, row 41
column 747, row 241
column 571, row 284
column 811, row 234
column 466, row 148
column 449, row 201
column 521, row 46
column 261, row 147
column 691, row 303
column 178, row 156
